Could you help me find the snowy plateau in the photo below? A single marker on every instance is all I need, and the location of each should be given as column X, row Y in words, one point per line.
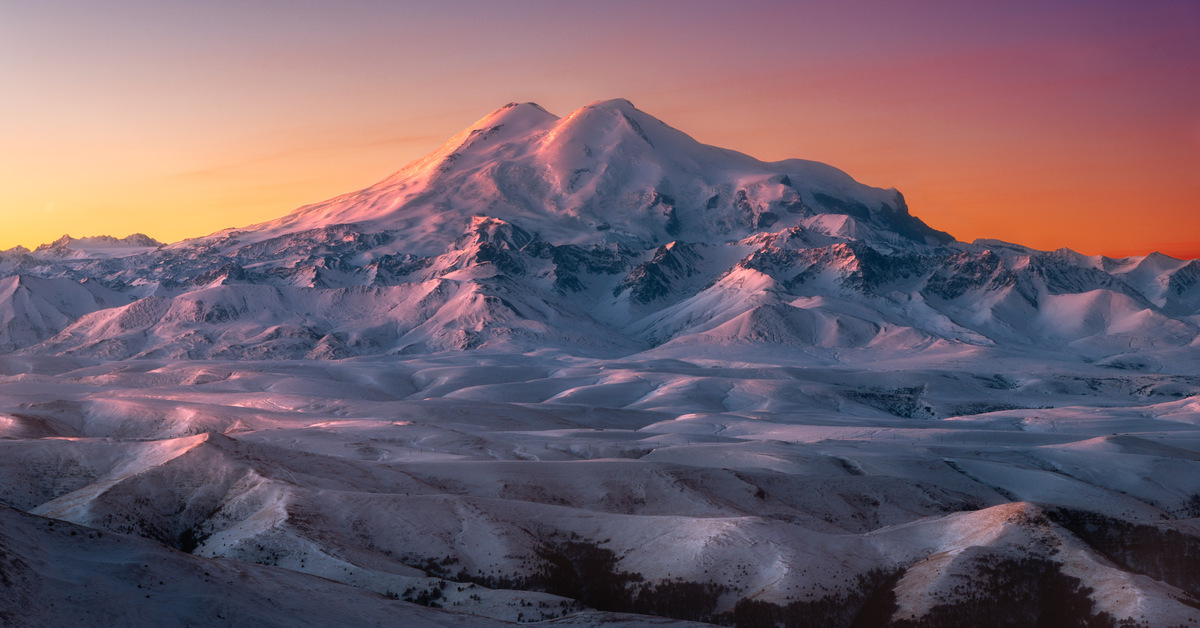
column 588, row 371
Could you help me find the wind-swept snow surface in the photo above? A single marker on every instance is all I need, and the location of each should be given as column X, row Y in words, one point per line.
column 524, row 488
column 587, row 370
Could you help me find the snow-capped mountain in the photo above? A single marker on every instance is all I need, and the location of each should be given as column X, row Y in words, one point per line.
column 588, row 371
column 605, row 232
column 607, row 173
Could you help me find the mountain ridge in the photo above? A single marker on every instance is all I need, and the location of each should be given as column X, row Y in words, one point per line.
column 602, row 231
column 580, row 172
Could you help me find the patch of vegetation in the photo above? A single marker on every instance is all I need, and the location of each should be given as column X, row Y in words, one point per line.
column 678, row 599
column 982, row 407
column 1030, row 591
column 586, row 572
column 191, row 539
column 425, row 597
column 907, row 403
column 1191, row 507
column 1018, row 592
column 997, row 382
column 1161, row 553
column 871, row 603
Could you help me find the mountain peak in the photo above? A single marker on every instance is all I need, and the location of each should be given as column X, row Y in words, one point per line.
column 607, row 173
column 620, row 104
column 523, row 105
column 523, row 115
column 94, row 244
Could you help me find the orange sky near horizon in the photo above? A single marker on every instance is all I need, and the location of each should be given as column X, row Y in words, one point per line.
column 1047, row 124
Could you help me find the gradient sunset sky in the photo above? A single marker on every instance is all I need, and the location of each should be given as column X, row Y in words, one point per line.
column 1049, row 124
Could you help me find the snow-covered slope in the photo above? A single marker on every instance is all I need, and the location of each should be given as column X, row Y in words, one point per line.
column 35, row 308
column 605, row 232
column 522, row 488
column 97, row 246
column 565, row 368
column 60, row 574
column 607, row 172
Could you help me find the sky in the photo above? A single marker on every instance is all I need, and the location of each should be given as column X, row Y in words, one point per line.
column 1050, row 124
